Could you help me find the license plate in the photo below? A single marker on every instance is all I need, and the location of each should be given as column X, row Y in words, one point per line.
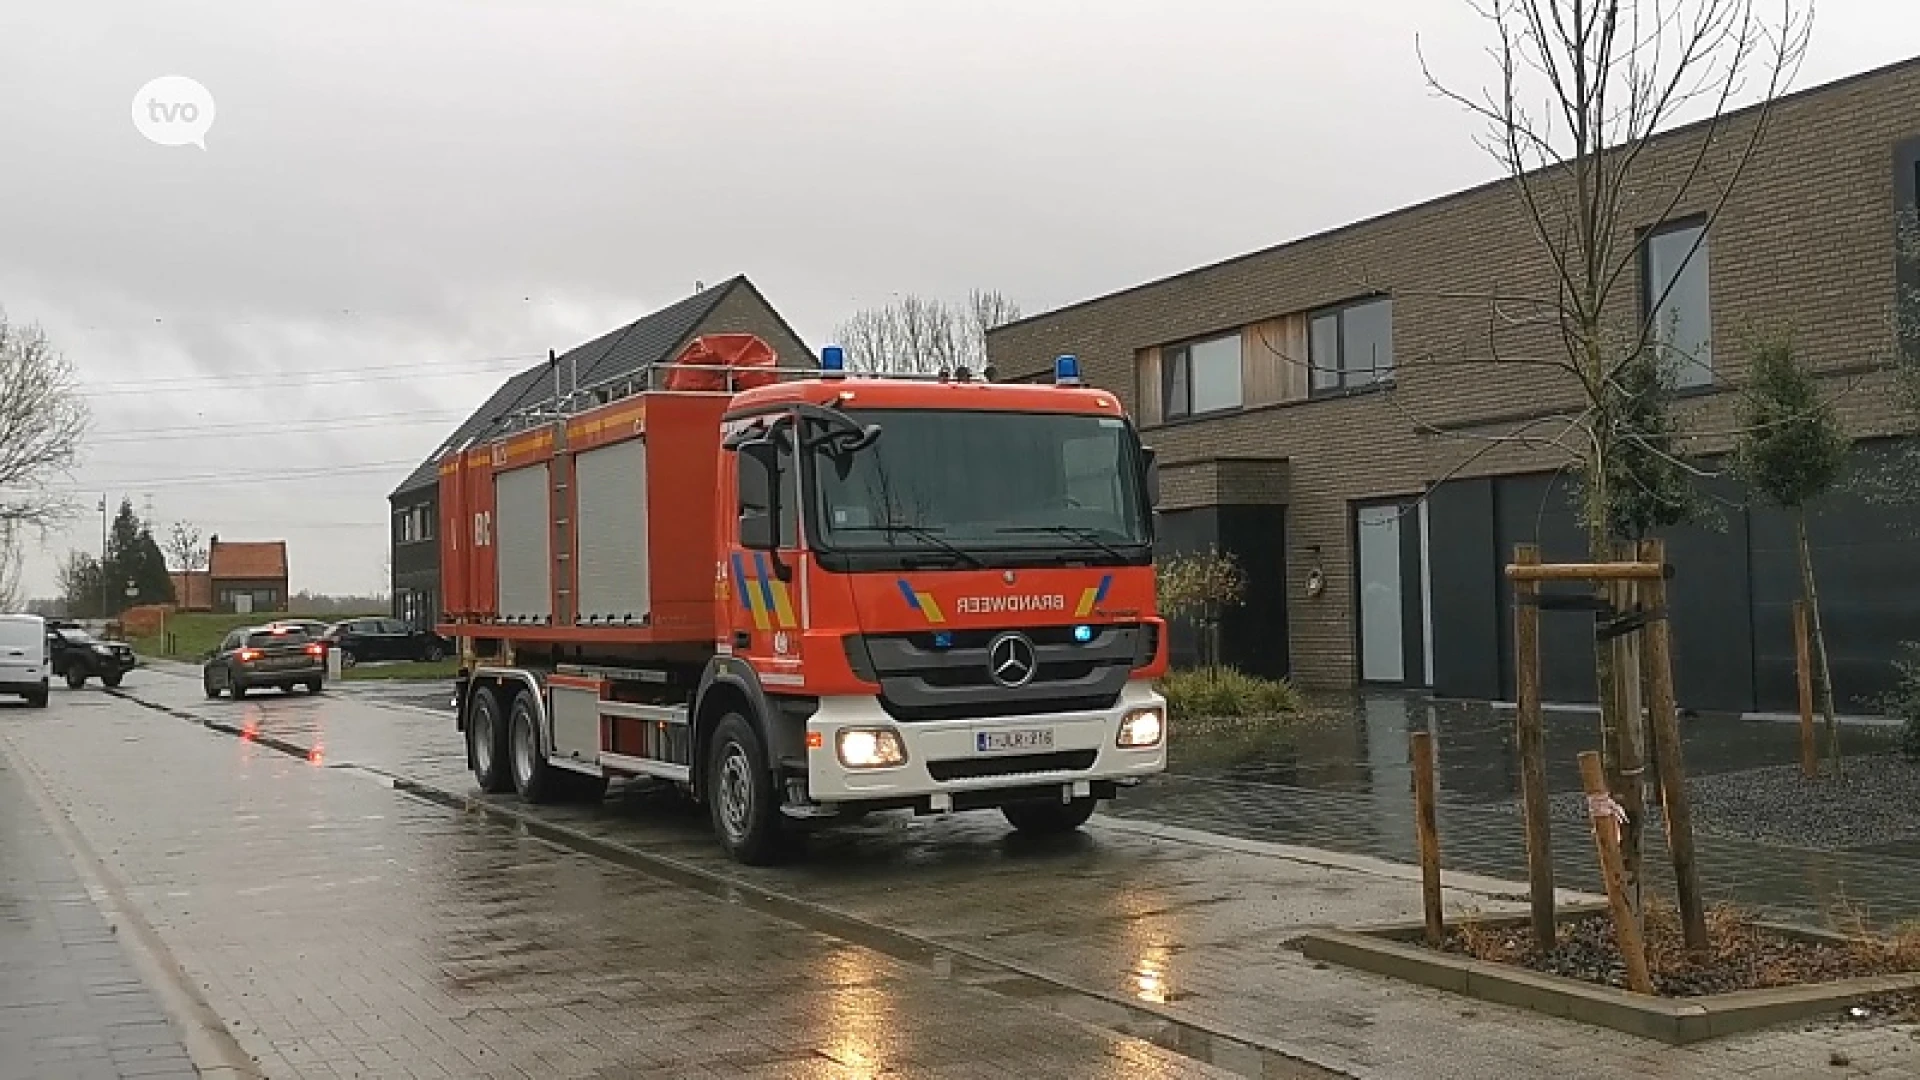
column 990, row 742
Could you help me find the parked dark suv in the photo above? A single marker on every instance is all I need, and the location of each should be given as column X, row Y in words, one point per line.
column 76, row 655
column 262, row 656
column 384, row 639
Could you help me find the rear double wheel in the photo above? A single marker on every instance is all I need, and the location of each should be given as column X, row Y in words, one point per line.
column 1049, row 818
column 533, row 778
column 487, row 741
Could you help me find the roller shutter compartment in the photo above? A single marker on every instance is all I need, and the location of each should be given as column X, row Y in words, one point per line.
column 611, row 497
column 522, row 543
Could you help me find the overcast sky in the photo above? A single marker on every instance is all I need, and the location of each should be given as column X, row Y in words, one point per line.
column 400, row 203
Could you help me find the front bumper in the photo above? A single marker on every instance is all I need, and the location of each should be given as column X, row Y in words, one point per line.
column 945, row 766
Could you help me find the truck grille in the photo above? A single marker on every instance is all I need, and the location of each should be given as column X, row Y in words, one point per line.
column 921, row 679
column 1012, row 765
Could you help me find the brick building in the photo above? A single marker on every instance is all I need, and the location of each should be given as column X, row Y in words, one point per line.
column 626, row 353
column 1326, row 405
column 241, row 576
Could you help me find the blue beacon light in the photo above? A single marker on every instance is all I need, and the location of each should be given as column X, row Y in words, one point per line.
column 1083, row 634
column 833, row 359
column 1066, row 370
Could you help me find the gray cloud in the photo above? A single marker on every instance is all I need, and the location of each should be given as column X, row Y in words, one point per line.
column 445, row 183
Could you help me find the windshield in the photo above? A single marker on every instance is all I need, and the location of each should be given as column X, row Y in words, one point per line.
column 72, row 633
column 982, row 480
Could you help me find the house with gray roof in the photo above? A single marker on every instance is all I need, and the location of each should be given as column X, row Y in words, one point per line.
column 621, row 360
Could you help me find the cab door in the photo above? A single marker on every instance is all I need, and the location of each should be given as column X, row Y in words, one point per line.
column 765, row 549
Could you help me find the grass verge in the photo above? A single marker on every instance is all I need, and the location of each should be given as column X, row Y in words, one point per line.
column 404, row 672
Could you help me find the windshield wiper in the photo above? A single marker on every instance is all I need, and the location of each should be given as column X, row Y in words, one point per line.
column 1072, row 532
column 930, row 535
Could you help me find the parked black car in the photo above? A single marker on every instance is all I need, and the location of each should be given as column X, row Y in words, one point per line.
column 76, row 655
column 262, row 656
column 384, row 639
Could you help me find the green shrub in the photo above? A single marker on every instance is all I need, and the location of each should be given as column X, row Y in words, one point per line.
column 1226, row 691
column 1903, row 704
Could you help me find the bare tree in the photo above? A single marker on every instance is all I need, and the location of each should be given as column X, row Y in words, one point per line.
column 1580, row 90
column 43, row 417
column 184, row 548
column 917, row 335
column 12, row 561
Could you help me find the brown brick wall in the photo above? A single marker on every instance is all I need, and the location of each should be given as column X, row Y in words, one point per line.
column 1805, row 241
column 745, row 311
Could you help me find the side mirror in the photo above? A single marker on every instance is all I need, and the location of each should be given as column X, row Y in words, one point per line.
column 759, row 465
column 1151, row 477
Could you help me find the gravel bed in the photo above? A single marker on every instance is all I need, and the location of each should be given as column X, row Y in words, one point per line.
column 1876, row 803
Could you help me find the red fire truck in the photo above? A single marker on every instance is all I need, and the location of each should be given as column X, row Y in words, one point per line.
column 808, row 596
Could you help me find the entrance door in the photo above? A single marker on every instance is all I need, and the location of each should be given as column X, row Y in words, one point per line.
column 1390, row 586
column 243, row 603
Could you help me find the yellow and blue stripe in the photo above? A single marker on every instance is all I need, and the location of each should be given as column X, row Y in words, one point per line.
column 1091, row 596
column 764, row 596
column 922, row 602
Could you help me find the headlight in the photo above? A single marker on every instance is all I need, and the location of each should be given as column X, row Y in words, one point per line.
column 871, row 748
column 1142, row 728
column 103, row 650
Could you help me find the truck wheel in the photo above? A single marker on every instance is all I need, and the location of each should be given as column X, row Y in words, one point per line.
column 487, row 741
column 76, row 678
column 111, row 680
column 741, row 796
column 1049, row 818
column 533, row 778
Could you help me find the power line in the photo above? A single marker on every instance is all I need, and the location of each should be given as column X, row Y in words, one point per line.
column 263, row 429
column 404, row 369
column 248, row 476
column 283, row 380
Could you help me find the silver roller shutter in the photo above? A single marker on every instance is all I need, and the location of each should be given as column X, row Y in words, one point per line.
column 522, row 537
column 611, row 493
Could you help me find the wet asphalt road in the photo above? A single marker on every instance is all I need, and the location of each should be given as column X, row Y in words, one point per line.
column 340, row 927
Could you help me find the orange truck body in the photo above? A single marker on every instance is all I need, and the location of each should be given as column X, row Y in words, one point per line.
column 615, row 620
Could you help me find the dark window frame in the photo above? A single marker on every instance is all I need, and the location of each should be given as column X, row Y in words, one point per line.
column 1646, row 236
column 1347, row 380
column 1184, row 348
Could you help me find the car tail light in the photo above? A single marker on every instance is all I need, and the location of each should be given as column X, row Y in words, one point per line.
column 316, row 649
column 247, row 656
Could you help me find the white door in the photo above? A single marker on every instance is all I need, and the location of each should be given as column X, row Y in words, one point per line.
column 243, row 603
column 1382, row 645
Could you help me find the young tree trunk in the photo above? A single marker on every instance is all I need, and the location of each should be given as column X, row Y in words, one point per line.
column 1600, row 549
column 1823, row 672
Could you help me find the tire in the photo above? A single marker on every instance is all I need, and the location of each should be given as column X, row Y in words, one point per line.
column 206, row 683
column 37, row 699
column 235, row 687
column 347, row 659
column 434, row 653
column 740, row 794
column 533, row 778
column 112, row 679
column 76, row 678
column 314, row 686
column 487, row 741
column 1049, row 818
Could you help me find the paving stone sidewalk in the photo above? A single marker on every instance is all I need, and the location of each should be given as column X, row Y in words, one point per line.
column 1196, row 929
column 71, row 1004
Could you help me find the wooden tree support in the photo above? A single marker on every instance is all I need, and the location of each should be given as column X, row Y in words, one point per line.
column 1650, row 573
column 1606, row 815
column 1803, row 673
column 1426, row 827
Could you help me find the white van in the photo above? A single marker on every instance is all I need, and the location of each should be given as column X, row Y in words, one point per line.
column 23, row 658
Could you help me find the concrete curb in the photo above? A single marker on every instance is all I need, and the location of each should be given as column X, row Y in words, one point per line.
column 210, row 1046
column 1394, row 951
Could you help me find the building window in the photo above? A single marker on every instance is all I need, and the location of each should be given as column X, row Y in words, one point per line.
column 423, row 522
column 1199, row 377
column 403, row 527
column 1351, row 346
column 1674, row 270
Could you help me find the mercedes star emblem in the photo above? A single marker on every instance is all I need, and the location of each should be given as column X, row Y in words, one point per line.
column 1011, row 660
